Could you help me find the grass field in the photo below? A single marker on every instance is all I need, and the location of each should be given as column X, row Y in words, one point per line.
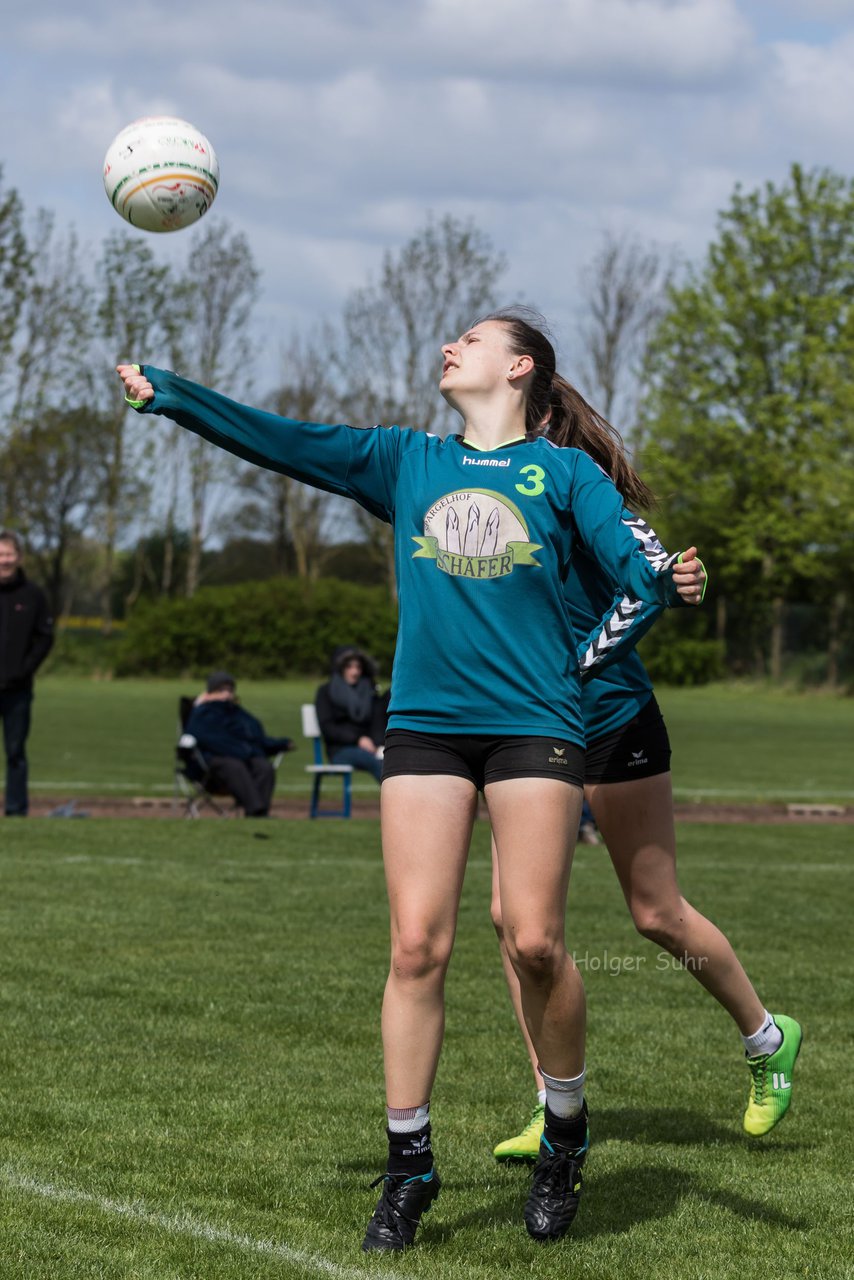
column 192, row 1083
column 732, row 743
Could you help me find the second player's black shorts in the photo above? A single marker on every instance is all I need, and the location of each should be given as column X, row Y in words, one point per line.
column 638, row 749
column 481, row 758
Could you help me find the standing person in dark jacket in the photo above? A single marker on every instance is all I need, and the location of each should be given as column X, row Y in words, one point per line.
column 26, row 635
column 235, row 747
column 351, row 712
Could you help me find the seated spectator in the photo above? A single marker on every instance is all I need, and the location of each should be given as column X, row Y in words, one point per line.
column 352, row 713
column 234, row 745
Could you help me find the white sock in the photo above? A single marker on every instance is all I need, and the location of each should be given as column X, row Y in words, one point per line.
column 766, row 1039
column 564, row 1098
column 408, row 1119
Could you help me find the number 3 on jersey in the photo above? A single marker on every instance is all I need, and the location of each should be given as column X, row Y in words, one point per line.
column 533, row 486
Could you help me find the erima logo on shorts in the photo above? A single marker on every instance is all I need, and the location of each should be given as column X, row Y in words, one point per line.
column 638, row 757
column 485, row 462
column 558, row 757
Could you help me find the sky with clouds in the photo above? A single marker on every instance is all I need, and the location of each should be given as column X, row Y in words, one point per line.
column 340, row 124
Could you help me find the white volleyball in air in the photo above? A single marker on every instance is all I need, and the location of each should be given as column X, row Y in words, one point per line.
column 161, row 174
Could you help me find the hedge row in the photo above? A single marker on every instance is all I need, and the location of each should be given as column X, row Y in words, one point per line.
column 289, row 627
column 283, row 627
column 675, row 651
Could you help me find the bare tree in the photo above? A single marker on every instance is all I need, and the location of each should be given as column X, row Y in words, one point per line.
column 623, row 295
column 50, row 467
column 387, row 357
column 15, row 266
column 47, row 482
column 131, row 307
column 300, row 522
column 54, row 327
column 210, row 342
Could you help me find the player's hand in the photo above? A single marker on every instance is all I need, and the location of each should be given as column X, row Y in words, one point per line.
column 137, row 386
column 689, row 575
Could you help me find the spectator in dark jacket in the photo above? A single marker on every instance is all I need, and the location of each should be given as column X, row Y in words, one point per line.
column 235, row 747
column 26, row 635
column 351, row 712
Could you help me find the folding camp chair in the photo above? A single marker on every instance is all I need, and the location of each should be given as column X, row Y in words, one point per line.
column 194, row 788
column 319, row 770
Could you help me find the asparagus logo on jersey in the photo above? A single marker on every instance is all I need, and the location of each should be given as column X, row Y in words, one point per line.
column 476, row 533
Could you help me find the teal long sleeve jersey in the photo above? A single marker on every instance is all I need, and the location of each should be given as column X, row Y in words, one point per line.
column 615, row 685
column 483, row 544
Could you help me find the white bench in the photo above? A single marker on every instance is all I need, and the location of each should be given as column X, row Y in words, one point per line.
column 319, row 770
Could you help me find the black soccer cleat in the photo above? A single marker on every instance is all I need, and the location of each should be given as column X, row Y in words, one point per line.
column 555, row 1191
column 399, row 1209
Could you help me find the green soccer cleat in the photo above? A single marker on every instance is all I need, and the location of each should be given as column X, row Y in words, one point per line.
column 526, row 1145
column 771, row 1087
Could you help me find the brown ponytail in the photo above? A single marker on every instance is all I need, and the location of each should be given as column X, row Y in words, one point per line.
column 575, row 424
column 554, row 408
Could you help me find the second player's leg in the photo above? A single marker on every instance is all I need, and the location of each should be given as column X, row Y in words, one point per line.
column 509, row 972
column 635, row 820
column 534, row 821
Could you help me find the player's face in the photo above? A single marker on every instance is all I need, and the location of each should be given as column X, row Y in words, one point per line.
column 9, row 561
column 479, row 361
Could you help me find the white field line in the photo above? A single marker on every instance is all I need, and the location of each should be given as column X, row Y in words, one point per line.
column 184, row 1224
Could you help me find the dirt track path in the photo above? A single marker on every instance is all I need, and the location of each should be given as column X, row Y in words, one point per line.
column 368, row 807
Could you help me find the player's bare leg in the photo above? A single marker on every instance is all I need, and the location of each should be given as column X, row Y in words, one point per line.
column 636, row 823
column 635, row 820
column 534, row 822
column 524, row 1146
column 426, row 826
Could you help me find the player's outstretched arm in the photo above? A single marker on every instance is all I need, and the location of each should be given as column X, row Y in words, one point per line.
column 689, row 576
column 358, row 464
column 137, row 386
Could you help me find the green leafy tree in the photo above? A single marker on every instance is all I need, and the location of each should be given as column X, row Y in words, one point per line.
column 750, row 415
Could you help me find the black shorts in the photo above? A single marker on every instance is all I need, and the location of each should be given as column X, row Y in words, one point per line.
column 638, row 749
column 481, row 758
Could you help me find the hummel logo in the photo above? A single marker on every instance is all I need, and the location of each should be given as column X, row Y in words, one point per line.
column 485, row 462
column 558, row 750
column 779, row 1081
